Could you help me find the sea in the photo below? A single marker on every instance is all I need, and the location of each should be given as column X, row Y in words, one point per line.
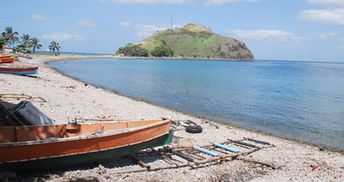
column 292, row 99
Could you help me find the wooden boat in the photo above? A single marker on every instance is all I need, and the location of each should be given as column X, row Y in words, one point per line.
column 57, row 146
column 5, row 56
column 18, row 68
column 6, row 59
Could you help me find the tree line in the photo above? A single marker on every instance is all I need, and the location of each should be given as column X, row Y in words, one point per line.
column 24, row 43
column 137, row 51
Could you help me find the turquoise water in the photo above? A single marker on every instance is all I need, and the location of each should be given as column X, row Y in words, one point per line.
column 299, row 100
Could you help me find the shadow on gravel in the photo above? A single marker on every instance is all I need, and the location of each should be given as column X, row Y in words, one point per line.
column 96, row 167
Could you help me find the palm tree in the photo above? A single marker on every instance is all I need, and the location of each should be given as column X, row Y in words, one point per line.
column 2, row 42
column 55, row 47
column 10, row 36
column 35, row 44
column 26, row 41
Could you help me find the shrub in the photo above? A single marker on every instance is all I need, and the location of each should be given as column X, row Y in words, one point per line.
column 22, row 48
column 132, row 50
column 162, row 52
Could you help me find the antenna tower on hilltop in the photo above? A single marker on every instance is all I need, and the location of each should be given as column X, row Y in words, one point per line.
column 172, row 22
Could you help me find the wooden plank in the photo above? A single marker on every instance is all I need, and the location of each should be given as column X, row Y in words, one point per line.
column 245, row 144
column 184, row 156
column 258, row 141
column 265, row 163
column 140, row 162
column 7, row 134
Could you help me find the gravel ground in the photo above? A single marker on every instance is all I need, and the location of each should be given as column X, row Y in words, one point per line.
column 68, row 98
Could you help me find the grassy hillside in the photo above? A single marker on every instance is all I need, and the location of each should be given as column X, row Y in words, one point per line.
column 197, row 41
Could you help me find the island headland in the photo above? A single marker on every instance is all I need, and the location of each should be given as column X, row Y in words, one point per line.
column 189, row 41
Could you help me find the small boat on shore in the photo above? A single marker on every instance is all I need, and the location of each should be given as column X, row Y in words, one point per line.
column 58, row 146
column 6, row 59
column 18, row 68
column 55, row 146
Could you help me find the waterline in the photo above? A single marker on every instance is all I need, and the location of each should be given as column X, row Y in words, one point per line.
column 302, row 100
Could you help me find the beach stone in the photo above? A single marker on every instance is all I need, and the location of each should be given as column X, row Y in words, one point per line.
column 101, row 169
column 63, row 104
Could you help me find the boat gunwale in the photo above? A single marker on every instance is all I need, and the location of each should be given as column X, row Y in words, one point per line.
column 80, row 123
column 83, row 137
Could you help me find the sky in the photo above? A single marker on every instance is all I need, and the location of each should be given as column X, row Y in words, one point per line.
column 305, row 30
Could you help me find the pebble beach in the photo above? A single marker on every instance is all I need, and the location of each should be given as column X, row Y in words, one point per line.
column 67, row 99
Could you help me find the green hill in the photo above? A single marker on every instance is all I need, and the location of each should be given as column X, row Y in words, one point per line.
column 194, row 41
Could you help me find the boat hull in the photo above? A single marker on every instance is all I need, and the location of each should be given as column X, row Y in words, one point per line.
column 6, row 59
column 87, row 158
column 19, row 71
column 33, row 149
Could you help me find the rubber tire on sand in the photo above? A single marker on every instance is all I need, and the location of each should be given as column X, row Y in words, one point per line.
column 193, row 129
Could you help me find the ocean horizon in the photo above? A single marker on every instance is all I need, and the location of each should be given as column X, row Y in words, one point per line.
column 78, row 53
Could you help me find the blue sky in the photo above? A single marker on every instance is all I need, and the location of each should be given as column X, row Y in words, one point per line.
column 309, row 30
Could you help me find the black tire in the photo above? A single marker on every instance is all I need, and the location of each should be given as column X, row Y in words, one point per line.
column 194, row 129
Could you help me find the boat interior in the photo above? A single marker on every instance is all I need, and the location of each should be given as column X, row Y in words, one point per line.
column 17, row 124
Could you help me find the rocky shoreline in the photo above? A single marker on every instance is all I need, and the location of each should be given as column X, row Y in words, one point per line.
column 68, row 98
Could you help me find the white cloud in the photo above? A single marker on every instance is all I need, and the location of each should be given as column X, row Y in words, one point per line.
column 148, row 1
column 221, row 2
column 208, row 2
column 125, row 24
column 146, row 30
column 281, row 35
column 86, row 23
column 341, row 47
column 324, row 36
column 62, row 36
column 333, row 17
column 39, row 17
column 337, row 2
column 269, row 34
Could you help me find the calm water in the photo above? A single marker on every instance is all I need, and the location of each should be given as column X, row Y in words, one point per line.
column 301, row 100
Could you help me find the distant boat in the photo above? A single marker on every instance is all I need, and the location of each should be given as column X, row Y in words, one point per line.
column 6, row 59
column 58, row 146
column 18, row 68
